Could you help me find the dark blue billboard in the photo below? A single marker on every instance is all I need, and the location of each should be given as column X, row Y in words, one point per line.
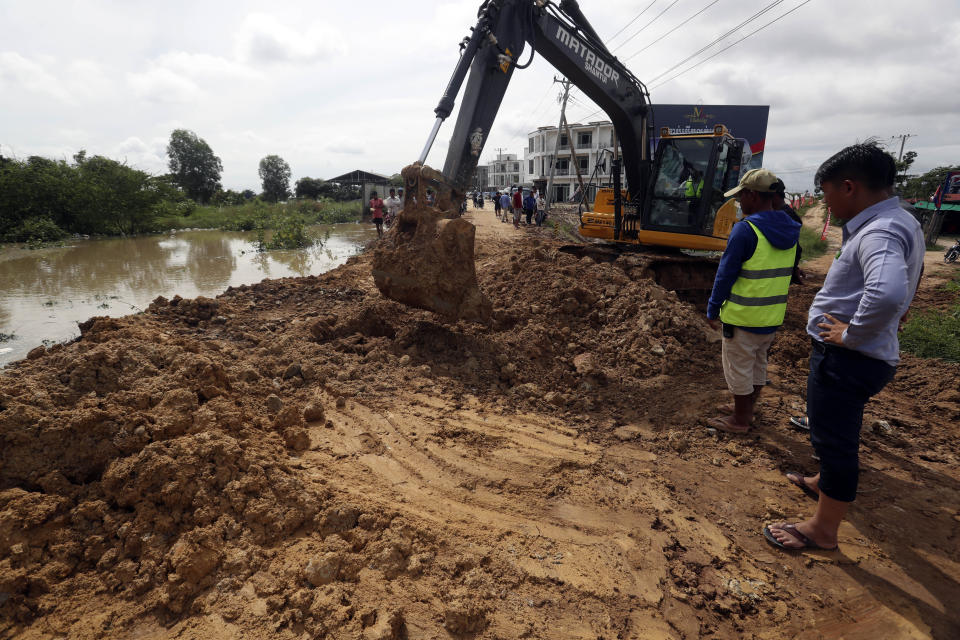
column 747, row 122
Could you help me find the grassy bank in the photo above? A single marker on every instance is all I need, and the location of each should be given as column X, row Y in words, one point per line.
column 935, row 333
column 261, row 215
column 810, row 241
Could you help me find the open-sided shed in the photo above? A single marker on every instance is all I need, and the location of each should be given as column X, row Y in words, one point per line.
column 368, row 183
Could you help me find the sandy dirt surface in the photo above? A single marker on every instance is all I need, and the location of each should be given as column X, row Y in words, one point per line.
column 302, row 458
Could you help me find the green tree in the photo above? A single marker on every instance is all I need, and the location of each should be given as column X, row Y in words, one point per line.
column 924, row 186
column 310, row 188
column 228, row 198
column 113, row 198
column 275, row 176
column 903, row 166
column 194, row 166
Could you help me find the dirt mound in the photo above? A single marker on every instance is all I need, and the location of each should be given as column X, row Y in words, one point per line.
column 304, row 457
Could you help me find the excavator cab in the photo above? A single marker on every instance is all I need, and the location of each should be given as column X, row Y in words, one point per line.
column 683, row 206
column 690, row 175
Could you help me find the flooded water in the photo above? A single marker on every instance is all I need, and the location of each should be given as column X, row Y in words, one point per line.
column 46, row 292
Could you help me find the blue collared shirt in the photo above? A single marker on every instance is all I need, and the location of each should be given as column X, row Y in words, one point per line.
column 873, row 279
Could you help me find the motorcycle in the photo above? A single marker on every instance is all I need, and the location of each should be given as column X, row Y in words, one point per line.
column 951, row 254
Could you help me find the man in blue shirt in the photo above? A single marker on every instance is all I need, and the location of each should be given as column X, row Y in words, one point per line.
column 505, row 206
column 853, row 324
column 750, row 293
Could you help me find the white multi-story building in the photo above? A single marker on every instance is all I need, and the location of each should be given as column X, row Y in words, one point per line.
column 505, row 172
column 592, row 143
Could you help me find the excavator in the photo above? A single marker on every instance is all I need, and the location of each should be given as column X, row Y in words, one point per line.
column 674, row 199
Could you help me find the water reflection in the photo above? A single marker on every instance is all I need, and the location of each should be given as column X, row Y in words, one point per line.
column 44, row 293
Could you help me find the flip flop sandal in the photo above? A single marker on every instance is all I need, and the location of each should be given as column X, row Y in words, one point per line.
column 792, row 530
column 800, row 423
column 800, row 483
column 723, row 425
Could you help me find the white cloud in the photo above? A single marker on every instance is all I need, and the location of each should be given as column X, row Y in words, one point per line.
column 20, row 73
column 146, row 156
column 205, row 67
column 160, row 84
column 262, row 38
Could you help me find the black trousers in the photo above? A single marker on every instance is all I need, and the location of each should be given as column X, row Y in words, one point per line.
column 840, row 383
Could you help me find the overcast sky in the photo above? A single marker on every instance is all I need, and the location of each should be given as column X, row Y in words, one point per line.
column 336, row 86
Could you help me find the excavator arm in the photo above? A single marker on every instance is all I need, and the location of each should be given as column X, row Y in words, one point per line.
column 427, row 260
column 563, row 37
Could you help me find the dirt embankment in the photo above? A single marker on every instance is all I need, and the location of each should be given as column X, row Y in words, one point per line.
column 302, row 458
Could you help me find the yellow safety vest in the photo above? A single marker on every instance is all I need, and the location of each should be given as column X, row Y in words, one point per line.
column 759, row 296
column 689, row 190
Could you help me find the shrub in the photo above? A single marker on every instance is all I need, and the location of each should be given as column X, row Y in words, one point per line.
column 35, row 231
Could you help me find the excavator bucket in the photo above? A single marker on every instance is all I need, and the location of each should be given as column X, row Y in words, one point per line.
column 426, row 260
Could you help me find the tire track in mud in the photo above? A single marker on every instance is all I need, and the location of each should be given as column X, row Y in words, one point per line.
column 601, row 535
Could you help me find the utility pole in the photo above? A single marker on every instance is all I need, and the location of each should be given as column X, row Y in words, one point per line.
column 497, row 160
column 576, row 164
column 556, row 146
column 903, row 140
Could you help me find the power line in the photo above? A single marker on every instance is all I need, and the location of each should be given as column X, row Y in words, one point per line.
column 655, row 18
column 635, row 18
column 671, row 31
column 660, row 84
column 726, row 34
column 715, row 41
column 769, row 7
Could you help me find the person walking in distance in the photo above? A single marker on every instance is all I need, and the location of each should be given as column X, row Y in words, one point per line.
column 749, row 294
column 376, row 208
column 541, row 209
column 393, row 207
column 504, row 206
column 853, row 324
column 529, row 207
column 517, row 206
column 496, row 204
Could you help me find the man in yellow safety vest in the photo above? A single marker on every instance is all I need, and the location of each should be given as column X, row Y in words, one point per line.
column 692, row 188
column 749, row 294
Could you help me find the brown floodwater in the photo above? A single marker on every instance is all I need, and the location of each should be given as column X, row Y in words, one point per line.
column 44, row 293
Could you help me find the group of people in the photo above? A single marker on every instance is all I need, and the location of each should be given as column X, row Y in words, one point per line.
column 385, row 211
column 532, row 206
column 852, row 322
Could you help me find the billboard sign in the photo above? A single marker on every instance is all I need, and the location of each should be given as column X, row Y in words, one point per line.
column 747, row 122
column 951, row 188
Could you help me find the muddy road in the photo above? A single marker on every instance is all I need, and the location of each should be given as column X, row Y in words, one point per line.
column 303, row 459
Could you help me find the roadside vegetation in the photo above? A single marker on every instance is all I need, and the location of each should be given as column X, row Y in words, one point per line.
column 259, row 214
column 44, row 201
column 810, row 241
column 935, row 333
